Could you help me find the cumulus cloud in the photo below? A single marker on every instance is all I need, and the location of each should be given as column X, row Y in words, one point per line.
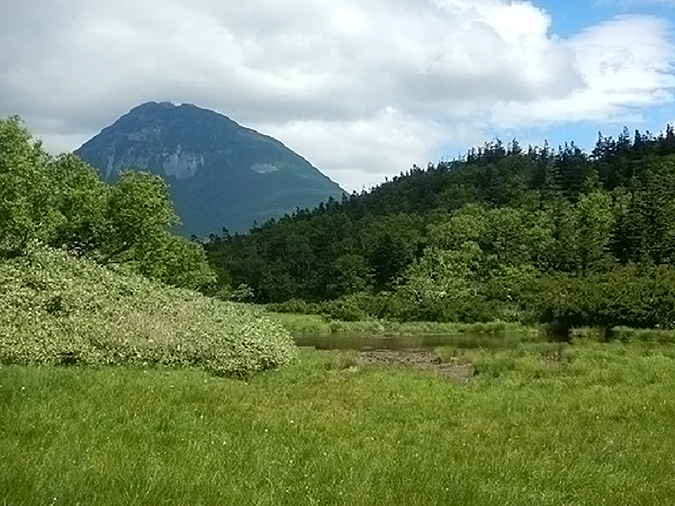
column 625, row 64
column 364, row 151
column 361, row 88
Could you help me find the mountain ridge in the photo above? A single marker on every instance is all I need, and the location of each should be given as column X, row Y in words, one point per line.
column 221, row 174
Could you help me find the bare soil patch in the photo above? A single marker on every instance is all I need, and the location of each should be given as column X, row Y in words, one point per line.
column 418, row 358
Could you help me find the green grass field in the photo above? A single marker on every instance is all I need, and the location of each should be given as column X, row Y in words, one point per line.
column 317, row 325
column 544, row 424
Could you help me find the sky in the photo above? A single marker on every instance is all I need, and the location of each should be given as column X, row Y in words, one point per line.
column 362, row 89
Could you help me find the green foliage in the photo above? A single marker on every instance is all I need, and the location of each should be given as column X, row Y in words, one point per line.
column 81, row 201
column 139, row 210
column 504, row 233
column 174, row 260
column 346, row 309
column 635, row 296
column 646, row 228
column 55, row 309
column 26, row 210
column 351, row 273
column 391, row 243
column 445, row 276
column 585, row 232
column 61, row 202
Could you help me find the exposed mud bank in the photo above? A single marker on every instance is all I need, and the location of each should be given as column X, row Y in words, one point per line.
column 420, row 359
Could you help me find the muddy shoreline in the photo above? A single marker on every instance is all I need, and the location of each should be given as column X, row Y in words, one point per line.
column 417, row 358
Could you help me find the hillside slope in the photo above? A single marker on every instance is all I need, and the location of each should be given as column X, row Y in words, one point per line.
column 552, row 236
column 222, row 175
column 56, row 309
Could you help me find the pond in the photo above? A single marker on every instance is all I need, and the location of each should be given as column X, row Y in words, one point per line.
column 369, row 343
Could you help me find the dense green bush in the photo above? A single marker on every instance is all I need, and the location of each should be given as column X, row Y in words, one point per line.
column 298, row 306
column 56, row 309
column 61, row 202
column 633, row 296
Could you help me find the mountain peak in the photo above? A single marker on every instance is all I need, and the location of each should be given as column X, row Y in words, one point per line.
column 221, row 174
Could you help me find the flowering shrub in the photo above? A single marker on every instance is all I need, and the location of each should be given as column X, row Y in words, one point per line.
column 55, row 309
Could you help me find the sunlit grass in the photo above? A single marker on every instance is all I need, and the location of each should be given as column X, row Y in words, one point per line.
column 587, row 424
column 312, row 324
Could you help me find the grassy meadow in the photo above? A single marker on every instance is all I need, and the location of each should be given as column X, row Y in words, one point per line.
column 542, row 423
column 319, row 325
column 116, row 390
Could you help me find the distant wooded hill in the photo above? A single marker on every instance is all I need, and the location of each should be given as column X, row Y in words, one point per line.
column 528, row 234
column 221, row 174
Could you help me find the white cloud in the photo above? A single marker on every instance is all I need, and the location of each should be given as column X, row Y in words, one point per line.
column 321, row 76
column 625, row 64
column 360, row 154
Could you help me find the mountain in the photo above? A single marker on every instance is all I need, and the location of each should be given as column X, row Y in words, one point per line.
column 221, row 174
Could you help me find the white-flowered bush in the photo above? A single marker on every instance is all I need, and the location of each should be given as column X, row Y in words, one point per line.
column 56, row 309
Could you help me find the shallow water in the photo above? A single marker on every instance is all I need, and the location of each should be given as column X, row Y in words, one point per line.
column 365, row 343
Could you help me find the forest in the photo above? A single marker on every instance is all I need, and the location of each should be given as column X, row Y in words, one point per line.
column 537, row 235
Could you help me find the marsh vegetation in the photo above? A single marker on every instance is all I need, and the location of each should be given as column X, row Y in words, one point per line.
column 550, row 424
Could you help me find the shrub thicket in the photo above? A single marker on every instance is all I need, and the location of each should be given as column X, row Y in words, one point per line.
column 61, row 202
column 56, row 309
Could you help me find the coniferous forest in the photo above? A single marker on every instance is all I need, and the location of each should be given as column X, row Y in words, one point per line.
column 556, row 236
column 537, row 235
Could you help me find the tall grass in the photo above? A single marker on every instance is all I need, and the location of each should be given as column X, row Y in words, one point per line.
column 317, row 325
column 573, row 425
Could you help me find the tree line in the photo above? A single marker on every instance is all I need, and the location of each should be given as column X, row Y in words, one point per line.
column 61, row 202
column 536, row 234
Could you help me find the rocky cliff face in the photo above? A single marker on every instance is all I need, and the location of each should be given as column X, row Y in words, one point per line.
column 221, row 174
